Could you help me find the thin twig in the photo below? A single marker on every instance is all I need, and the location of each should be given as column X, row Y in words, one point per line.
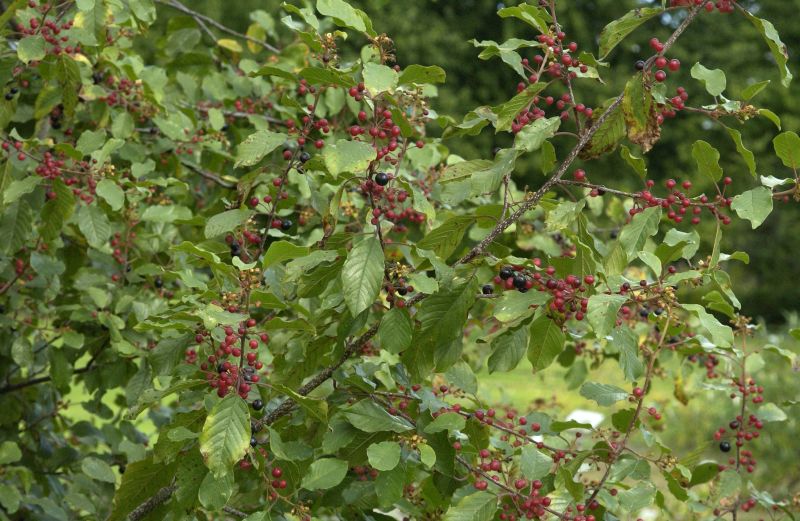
column 201, row 19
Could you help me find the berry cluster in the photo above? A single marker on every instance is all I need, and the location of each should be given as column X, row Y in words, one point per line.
column 677, row 203
column 566, row 292
column 50, row 28
column 223, row 375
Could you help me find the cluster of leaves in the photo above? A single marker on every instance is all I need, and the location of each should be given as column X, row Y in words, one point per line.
column 259, row 246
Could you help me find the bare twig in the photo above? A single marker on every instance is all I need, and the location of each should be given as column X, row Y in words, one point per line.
column 203, row 19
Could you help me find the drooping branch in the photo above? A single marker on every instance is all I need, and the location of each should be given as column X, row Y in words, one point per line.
column 208, row 175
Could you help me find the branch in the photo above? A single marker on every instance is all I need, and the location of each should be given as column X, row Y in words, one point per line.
column 202, row 19
column 155, row 501
column 42, row 379
column 208, row 175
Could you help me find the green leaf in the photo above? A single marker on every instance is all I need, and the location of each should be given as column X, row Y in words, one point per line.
column 9, row 453
column 776, row 46
column 94, row 225
column 713, row 79
column 226, row 221
column 443, row 314
column 421, row 75
column 215, row 491
column 637, row 498
column 384, row 456
column 166, row 214
column 444, row 239
column 769, row 412
column 637, row 163
column 480, row 506
column 747, row 155
column 57, row 211
column 730, row 482
column 721, row 335
column 427, row 455
column 314, row 407
column 140, row 481
column 704, row 472
column 604, row 394
column 111, row 193
column 31, row 48
column 396, row 330
column 643, row 225
column 532, row 136
column 616, row 31
column 535, row 16
column 226, row 434
column 343, row 14
column 20, row 187
column 754, row 205
column 90, row 141
column 280, row 251
column 770, row 116
column 369, row 417
column 601, row 312
column 327, row 76
column 546, row 341
column 256, row 146
column 533, row 463
column 787, row 146
column 362, row 274
column 508, row 349
column 610, row 133
column 753, row 90
column 626, row 340
column 98, row 470
column 348, row 156
column 449, row 421
column 510, row 109
column 324, row 474
column 379, row 78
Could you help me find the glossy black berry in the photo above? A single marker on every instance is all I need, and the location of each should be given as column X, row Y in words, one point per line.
column 304, row 156
column 639, row 65
column 221, row 368
column 158, row 282
column 725, row 446
column 9, row 96
column 14, row 90
column 382, row 178
column 506, row 272
column 253, row 441
column 487, row 289
column 236, row 250
column 402, row 291
column 258, row 405
column 520, row 281
column 286, row 224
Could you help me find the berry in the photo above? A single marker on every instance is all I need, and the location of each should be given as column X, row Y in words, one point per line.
column 286, row 224
column 506, row 272
column 487, row 289
column 382, row 178
column 674, row 65
column 258, row 405
column 660, row 76
column 725, row 446
column 304, row 156
column 639, row 65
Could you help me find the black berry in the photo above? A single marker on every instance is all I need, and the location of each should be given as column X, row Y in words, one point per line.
column 506, row 272
column 725, row 446
column 304, row 156
column 158, row 282
column 382, row 178
column 286, row 224
column 258, row 405
column 487, row 289
column 639, row 65
column 520, row 281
